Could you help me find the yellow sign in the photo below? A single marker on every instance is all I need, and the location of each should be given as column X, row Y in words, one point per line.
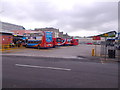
column 106, row 35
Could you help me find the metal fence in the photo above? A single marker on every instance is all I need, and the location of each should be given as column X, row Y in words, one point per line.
column 109, row 51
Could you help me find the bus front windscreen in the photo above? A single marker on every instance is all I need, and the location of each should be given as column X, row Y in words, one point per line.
column 58, row 40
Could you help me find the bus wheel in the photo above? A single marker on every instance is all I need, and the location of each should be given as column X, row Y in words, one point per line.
column 38, row 47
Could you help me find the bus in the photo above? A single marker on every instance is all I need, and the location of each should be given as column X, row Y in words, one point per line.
column 58, row 41
column 74, row 42
column 44, row 40
column 70, row 42
column 67, row 42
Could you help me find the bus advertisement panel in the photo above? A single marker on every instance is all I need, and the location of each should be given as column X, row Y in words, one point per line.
column 48, row 37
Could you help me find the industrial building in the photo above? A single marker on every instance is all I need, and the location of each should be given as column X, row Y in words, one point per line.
column 8, row 26
column 54, row 30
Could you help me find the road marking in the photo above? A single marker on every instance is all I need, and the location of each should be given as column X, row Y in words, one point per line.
column 55, row 68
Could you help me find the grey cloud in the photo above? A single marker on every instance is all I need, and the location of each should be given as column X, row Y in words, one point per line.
column 99, row 16
column 91, row 18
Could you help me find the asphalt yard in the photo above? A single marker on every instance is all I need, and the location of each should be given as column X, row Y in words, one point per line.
column 66, row 67
column 37, row 72
column 79, row 51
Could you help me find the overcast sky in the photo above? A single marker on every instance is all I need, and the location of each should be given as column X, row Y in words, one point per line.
column 75, row 17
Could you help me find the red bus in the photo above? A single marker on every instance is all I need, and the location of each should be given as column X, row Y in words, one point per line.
column 58, row 41
column 67, row 42
column 43, row 40
column 71, row 42
column 74, row 42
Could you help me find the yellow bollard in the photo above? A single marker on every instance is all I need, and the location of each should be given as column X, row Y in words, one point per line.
column 93, row 52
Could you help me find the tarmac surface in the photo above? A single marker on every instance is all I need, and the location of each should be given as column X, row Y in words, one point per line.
column 60, row 52
column 61, row 67
column 75, row 52
column 37, row 72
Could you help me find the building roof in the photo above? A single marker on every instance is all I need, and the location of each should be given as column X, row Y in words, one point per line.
column 107, row 34
column 8, row 26
column 4, row 32
column 47, row 29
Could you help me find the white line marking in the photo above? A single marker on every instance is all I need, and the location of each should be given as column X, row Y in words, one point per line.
column 55, row 68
